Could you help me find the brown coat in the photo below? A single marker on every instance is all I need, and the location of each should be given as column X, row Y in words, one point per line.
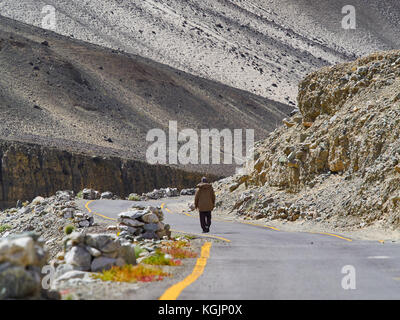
column 204, row 199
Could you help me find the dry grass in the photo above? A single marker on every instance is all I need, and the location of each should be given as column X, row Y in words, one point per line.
column 4, row 227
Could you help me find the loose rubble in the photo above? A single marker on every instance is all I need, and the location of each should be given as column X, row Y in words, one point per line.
column 81, row 253
column 106, row 251
column 90, row 194
column 161, row 193
column 144, row 223
column 93, row 252
column 188, row 192
column 48, row 217
column 337, row 160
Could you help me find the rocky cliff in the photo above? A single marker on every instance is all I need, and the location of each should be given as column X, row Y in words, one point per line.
column 338, row 158
column 28, row 170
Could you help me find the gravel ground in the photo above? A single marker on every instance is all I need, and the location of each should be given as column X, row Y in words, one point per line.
column 264, row 47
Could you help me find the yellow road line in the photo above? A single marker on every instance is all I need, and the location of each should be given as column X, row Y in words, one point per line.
column 173, row 292
column 259, row 225
column 273, row 228
column 215, row 219
column 188, row 214
column 165, row 208
column 97, row 214
column 87, row 206
column 168, row 210
column 223, row 220
column 203, row 235
column 333, row 235
column 197, row 234
column 162, row 206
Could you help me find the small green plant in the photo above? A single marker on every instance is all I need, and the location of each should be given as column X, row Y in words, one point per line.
column 69, row 297
column 80, row 195
column 134, row 197
column 69, row 229
column 4, row 227
column 189, row 237
column 129, row 273
column 138, row 251
column 159, row 259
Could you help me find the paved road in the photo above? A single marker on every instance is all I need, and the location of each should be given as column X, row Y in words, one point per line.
column 262, row 263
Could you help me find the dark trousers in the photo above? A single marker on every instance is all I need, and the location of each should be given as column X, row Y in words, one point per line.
column 205, row 220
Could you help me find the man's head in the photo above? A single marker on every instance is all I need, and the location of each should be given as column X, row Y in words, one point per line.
column 204, row 180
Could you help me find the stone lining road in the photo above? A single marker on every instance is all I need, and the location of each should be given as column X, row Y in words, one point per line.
column 261, row 263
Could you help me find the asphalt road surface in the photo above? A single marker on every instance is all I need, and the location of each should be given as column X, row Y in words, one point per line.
column 262, row 263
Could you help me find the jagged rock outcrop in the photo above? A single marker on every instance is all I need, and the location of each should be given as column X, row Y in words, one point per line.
column 339, row 156
column 28, row 170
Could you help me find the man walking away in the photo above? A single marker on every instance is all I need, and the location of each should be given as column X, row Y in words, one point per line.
column 204, row 201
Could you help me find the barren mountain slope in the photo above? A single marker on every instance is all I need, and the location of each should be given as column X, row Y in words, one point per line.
column 262, row 46
column 338, row 161
column 66, row 93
